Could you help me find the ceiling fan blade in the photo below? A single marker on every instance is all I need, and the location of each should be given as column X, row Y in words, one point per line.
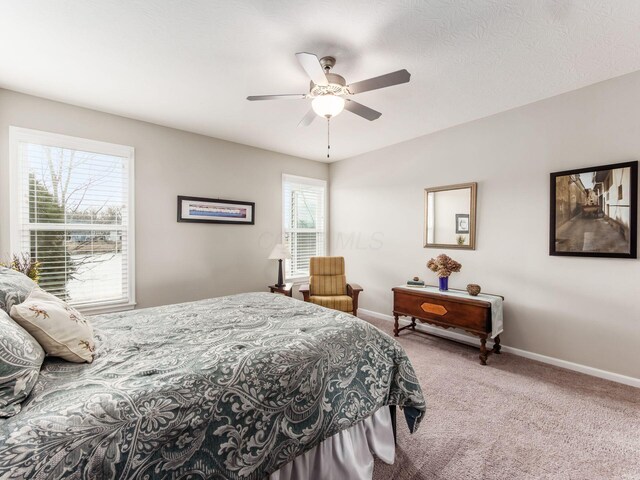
column 394, row 78
column 308, row 118
column 312, row 66
column 288, row 96
column 359, row 109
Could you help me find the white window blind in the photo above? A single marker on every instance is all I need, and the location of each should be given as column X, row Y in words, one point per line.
column 304, row 216
column 72, row 210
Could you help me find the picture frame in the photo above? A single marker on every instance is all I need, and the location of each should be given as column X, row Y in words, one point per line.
column 594, row 211
column 462, row 223
column 215, row 210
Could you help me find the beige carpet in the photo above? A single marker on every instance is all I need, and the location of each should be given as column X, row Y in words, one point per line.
column 512, row 419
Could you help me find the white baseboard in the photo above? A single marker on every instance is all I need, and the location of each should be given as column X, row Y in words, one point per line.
column 577, row 367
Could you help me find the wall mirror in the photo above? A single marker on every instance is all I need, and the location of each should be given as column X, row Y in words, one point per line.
column 450, row 216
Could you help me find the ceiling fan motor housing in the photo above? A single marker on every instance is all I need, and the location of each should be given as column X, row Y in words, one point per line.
column 337, row 85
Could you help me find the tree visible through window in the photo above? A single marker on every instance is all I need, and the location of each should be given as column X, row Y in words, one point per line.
column 304, row 222
column 72, row 214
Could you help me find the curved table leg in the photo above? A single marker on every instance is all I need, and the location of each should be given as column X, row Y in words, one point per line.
column 496, row 344
column 483, row 350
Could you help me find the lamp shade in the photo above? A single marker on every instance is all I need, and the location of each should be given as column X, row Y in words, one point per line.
column 327, row 105
column 279, row 252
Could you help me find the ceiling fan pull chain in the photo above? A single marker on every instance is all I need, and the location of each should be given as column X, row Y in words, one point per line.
column 328, row 135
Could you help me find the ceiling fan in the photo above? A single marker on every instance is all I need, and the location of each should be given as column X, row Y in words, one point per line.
column 328, row 91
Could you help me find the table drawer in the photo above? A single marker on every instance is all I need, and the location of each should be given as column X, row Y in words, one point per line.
column 474, row 316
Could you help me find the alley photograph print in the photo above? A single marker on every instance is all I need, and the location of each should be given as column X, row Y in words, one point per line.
column 594, row 211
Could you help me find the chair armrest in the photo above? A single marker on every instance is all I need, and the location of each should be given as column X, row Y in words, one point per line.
column 353, row 290
column 304, row 290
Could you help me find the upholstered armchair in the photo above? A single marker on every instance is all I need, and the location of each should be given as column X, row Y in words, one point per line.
column 328, row 285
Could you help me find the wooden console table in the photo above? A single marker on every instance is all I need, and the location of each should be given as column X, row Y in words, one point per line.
column 447, row 311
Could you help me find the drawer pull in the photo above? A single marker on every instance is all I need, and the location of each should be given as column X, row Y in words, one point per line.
column 433, row 308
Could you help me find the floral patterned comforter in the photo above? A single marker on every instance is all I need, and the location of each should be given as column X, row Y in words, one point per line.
column 231, row 387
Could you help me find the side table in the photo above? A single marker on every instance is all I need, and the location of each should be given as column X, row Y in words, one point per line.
column 287, row 289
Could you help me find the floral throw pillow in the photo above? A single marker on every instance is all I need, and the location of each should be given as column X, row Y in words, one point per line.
column 60, row 329
column 20, row 360
column 14, row 288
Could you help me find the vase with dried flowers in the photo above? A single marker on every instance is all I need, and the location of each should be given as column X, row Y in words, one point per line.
column 444, row 266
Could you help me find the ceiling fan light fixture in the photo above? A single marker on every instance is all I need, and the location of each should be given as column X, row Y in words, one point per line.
column 328, row 105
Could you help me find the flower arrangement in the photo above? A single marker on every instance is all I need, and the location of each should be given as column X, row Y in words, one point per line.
column 443, row 265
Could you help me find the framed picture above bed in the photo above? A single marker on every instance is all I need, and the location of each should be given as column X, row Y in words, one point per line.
column 210, row 210
column 594, row 211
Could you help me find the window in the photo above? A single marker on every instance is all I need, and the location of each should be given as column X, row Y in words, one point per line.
column 304, row 229
column 72, row 210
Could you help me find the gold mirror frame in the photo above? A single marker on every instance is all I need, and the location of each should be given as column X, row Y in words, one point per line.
column 473, row 186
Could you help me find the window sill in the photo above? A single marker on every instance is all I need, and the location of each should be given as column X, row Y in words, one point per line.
column 298, row 280
column 102, row 309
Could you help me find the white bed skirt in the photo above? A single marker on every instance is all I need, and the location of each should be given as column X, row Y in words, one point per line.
column 345, row 455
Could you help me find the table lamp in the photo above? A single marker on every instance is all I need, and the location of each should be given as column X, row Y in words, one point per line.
column 279, row 252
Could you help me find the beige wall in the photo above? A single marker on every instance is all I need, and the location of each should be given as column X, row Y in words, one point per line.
column 584, row 310
column 175, row 262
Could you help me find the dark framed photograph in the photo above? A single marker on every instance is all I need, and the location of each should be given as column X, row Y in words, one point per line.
column 462, row 223
column 594, row 211
column 210, row 210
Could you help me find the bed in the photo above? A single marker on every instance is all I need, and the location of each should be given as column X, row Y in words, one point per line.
column 233, row 387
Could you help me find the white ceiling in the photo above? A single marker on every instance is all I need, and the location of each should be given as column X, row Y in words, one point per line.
column 190, row 64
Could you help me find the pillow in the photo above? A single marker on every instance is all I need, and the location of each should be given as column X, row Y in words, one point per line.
column 60, row 329
column 14, row 288
column 20, row 360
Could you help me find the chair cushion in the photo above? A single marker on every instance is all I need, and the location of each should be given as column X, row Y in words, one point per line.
column 21, row 357
column 60, row 329
column 344, row 303
column 326, row 266
column 327, row 276
column 328, row 284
